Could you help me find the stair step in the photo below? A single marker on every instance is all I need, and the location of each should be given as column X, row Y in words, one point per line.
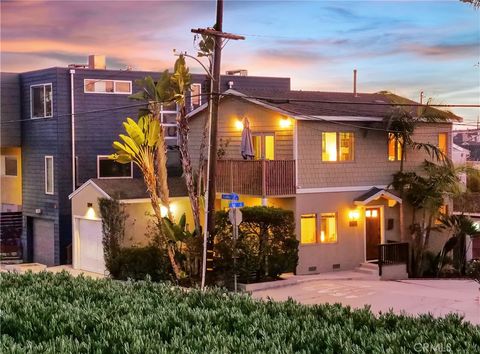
column 367, row 265
column 366, row 271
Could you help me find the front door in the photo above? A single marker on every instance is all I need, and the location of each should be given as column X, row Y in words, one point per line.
column 372, row 232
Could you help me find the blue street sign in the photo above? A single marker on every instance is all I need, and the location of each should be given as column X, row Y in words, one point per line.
column 236, row 205
column 230, row 196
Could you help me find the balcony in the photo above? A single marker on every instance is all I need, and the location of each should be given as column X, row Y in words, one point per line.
column 256, row 177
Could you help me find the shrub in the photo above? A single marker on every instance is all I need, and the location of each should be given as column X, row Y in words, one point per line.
column 55, row 313
column 139, row 262
column 266, row 246
column 113, row 228
column 473, row 270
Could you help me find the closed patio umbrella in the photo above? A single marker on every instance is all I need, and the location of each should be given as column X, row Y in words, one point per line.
column 246, row 146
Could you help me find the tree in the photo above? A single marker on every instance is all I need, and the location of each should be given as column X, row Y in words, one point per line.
column 460, row 226
column 474, row 3
column 140, row 145
column 426, row 193
column 401, row 124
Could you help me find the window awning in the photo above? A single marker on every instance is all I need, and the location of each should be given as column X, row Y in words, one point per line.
column 374, row 194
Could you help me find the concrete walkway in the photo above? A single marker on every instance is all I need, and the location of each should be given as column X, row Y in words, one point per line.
column 37, row 267
column 436, row 296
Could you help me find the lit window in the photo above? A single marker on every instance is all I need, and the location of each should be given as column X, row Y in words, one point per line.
column 107, row 168
column 308, row 228
column 443, row 143
column 195, row 95
column 49, row 175
column 337, row 146
column 264, row 146
column 394, row 148
column 328, row 233
column 41, row 101
column 108, row 86
column 10, row 166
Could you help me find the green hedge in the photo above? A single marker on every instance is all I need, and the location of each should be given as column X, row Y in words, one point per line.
column 48, row 313
column 138, row 263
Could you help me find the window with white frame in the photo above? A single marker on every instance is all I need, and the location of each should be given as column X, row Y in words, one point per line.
column 195, row 95
column 108, row 86
column 41, row 105
column 9, row 166
column 49, row 175
column 107, row 168
column 337, row 146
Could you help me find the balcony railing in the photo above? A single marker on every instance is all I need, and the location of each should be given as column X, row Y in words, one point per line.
column 257, row 177
column 393, row 253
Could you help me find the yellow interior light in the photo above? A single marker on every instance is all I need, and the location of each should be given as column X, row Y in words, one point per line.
column 374, row 213
column 285, row 122
column 238, row 124
column 322, row 236
column 368, row 213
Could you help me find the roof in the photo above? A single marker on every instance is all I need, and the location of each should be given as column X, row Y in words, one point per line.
column 373, row 194
column 318, row 105
column 131, row 188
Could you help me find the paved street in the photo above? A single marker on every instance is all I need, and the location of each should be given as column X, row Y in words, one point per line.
column 438, row 297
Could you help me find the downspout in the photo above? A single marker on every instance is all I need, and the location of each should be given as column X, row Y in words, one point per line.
column 72, row 111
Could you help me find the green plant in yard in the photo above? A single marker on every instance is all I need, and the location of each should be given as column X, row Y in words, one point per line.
column 460, row 226
column 56, row 313
column 267, row 244
column 473, row 270
column 140, row 145
column 140, row 263
column 113, row 228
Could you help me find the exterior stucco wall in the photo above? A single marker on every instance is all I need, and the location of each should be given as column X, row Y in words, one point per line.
column 11, row 186
column 348, row 251
column 261, row 120
column 139, row 215
column 370, row 166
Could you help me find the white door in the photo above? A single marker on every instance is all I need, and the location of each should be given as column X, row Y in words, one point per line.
column 90, row 246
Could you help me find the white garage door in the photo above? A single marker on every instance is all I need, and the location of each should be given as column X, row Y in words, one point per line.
column 90, row 251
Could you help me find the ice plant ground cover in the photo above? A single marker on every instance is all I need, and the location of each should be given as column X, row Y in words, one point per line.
column 56, row 313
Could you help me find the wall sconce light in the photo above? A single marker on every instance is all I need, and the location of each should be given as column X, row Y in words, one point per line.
column 285, row 122
column 239, row 124
column 90, row 211
column 353, row 217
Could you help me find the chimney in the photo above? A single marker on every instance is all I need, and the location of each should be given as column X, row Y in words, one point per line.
column 97, row 62
column 355, row 83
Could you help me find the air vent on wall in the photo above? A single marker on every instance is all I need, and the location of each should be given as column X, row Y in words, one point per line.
column 312, row 269
column 336, row 266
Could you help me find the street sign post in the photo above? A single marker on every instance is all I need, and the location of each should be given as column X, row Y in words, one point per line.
column 230, row 196
column 235, row 217
column 236, row 204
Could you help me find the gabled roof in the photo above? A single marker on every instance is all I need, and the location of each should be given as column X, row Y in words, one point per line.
column 373, row 194
column 131, row 188
column 335, row 106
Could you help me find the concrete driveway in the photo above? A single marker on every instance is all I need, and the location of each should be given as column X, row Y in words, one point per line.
column 438, row 297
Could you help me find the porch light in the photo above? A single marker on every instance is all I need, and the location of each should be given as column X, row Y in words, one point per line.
column 285, row 122
column 353, row 217
column 239, row 124
column 90, row 212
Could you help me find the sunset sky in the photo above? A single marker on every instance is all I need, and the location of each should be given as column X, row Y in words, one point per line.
column 404, row 47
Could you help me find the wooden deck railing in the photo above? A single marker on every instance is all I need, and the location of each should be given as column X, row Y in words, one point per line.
column 257, row 177
column 393, row 253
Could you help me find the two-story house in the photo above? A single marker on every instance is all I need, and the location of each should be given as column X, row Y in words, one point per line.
column 328, row 157
column 67, row 119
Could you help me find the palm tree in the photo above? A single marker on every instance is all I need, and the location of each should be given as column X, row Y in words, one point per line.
column 140, row 145
column 401, row 124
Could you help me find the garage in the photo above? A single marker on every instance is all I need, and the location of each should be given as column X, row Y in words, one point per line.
column 89, row 248
column 43, row 242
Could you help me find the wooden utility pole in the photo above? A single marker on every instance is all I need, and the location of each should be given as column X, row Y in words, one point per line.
column 209, row 228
